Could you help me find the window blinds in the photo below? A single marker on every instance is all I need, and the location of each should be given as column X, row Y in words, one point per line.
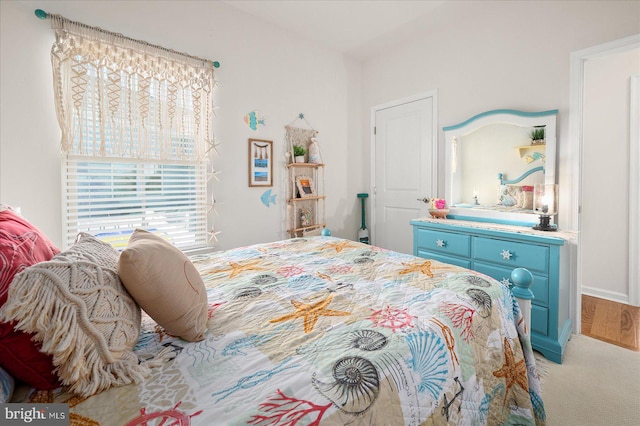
column 111, row 199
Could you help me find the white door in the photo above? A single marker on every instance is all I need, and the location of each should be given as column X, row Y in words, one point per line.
column 404, row 168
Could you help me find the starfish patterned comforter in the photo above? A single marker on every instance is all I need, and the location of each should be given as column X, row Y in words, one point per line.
column 325, row 331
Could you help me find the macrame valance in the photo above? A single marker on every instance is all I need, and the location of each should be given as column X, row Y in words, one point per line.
column 121, row 98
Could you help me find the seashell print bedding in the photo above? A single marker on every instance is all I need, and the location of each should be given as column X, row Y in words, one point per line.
column 326, row 331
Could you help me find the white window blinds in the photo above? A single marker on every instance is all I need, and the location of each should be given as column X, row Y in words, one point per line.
column 110, row 199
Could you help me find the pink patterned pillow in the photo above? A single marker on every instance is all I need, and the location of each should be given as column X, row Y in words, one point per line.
column 21, row 246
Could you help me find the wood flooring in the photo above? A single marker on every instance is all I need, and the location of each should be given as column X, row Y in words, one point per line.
column 611, row 322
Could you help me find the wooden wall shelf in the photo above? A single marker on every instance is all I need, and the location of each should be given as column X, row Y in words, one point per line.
column 314, row 204
column 527, row 148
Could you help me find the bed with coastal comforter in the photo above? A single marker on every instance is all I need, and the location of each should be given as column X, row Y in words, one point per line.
column 322, row 330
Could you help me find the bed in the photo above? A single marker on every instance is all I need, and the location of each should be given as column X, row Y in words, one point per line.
column 322, row 330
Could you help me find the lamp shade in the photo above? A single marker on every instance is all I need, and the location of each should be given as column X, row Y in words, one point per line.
column 545, row 199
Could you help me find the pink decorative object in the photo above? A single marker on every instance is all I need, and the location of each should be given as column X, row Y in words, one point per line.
column 438, row 208
column 438, row 203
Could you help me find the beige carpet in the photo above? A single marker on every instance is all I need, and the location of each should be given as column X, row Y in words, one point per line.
column 597, row 384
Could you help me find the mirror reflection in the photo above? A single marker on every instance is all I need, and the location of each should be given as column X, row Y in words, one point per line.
column 494, row 160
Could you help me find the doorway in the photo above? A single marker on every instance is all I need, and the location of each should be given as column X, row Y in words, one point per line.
column 404, row 167
column 617, row 257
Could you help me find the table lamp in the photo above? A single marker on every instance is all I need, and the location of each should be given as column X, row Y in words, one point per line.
column 545, row 204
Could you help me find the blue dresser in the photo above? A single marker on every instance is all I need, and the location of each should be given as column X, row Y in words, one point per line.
column 496, row 252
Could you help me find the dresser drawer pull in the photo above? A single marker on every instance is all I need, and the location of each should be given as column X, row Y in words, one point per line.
column 441, row 243
column 506, row 254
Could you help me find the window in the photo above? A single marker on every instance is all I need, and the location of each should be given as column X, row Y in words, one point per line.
column 136, row 134
column 110, row 199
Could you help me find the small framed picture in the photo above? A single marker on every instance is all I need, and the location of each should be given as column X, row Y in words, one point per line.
column 305, row 186
column 260, row 162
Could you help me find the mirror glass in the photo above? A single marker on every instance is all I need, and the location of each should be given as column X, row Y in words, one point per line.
column 493, row 161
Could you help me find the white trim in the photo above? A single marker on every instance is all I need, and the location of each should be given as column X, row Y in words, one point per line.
column 634, row 190
column 525, row 308
column 606, row 294
column 576, row 87
column 434, row 167
column 575, row 138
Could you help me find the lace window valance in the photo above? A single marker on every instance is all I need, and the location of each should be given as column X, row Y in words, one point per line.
column 121, row 98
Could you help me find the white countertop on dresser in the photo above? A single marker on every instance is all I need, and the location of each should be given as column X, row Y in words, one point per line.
column 560, row 233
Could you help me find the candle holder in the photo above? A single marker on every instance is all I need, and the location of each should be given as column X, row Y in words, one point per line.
column 545, row 203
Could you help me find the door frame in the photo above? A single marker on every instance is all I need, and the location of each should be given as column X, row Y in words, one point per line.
column 434, row 167
column 576, row 99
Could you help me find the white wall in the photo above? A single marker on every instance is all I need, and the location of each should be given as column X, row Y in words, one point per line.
column 605, row 175
column 489, row 55
column 263, row 68
column 478, row 55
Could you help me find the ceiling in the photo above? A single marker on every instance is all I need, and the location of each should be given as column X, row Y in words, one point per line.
column 348, row 26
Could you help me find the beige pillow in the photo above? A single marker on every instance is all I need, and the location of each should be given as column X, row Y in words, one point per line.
column 165, row 284
column 76, row 305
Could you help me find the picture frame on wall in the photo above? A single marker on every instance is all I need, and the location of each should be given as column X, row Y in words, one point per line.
column 260, row 162
column 305, row 186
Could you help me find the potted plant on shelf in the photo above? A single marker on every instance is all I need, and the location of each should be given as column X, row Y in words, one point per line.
column 298, row 153
column 537, row 135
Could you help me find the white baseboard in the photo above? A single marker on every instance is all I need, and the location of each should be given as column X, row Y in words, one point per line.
column 614, row 296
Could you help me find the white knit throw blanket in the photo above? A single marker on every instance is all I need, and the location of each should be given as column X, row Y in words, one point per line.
column 77, row 307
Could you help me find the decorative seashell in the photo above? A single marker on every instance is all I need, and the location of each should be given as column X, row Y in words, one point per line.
column 356, row 385
column 264, row 279
column 248, row 292
column 306, row 283
column 478, row 281
column 482, row 301
column 429, row 361
column 368, row 340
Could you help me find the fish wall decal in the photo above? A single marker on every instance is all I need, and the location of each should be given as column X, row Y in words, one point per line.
column 268, row 199
column 534, row 156
column 253, row 120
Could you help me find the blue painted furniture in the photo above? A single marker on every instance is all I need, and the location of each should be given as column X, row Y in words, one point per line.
column 496, row 253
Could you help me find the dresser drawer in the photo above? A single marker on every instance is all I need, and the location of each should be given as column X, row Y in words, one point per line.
column 512, row 254
column 465, row 263
column 539, row 287
column 444, row 242
column 496, row 252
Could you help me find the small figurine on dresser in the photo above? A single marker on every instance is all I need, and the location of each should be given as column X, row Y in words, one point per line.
column 438, row 208
column 314, row 152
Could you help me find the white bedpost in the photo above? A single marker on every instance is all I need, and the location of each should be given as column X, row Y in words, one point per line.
column 522, row 280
